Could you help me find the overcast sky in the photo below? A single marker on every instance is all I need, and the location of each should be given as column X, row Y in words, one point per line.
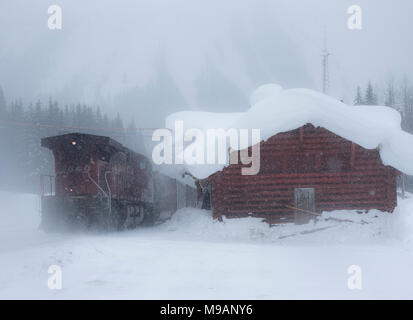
column 212, row 52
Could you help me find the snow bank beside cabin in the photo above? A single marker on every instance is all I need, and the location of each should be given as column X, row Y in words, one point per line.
column 275, row 110
column 402, row 222
column 354, row 228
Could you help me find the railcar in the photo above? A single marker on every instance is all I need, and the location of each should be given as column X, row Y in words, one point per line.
column 101, row 184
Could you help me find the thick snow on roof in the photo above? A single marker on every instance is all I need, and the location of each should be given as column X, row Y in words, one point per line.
column 274, row 110
column 175, row 172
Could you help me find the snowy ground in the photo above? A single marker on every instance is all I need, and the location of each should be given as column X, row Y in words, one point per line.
column 192, row 257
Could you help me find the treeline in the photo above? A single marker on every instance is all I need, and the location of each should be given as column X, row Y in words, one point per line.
column 394, row 94
column 23, row 160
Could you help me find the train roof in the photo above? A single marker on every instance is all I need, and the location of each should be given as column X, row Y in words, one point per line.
column 55, row 141
column 101, row 142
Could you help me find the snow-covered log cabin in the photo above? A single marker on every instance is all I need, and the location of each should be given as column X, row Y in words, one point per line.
column 316, row 154
column 308, row 168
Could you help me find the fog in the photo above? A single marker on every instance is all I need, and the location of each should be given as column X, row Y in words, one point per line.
column 118, row 68
column 146, row 59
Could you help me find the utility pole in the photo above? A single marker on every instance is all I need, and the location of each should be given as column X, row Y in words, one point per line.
column 325, row 54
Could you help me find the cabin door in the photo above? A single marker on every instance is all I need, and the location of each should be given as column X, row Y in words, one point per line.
column 305, row 200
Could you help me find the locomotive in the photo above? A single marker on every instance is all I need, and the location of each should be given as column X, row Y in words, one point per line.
column 100, row 184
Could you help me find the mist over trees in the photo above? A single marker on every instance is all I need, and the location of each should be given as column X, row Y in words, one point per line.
column 22, row 127
column 152, row 101
column 215, row 92
column 394, row 94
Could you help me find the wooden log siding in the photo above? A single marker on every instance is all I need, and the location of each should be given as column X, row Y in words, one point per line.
column 343, row 174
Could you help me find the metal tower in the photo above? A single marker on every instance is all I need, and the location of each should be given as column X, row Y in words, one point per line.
column 326, row 77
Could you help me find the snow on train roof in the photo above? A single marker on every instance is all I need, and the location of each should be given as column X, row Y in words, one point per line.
column 274, row 110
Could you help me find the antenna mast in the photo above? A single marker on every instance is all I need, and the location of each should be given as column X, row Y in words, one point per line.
column 325, row 54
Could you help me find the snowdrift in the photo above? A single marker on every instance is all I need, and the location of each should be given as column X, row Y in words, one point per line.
column 355, row 228
column 18, row 212
column 274, row 110
column 192, row 256
column 19, row 226
column 401, row 226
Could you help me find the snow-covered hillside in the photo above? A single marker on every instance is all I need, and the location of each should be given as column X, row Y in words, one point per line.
column 193, row 257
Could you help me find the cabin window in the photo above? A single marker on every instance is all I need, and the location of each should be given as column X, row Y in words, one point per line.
column 142, row 165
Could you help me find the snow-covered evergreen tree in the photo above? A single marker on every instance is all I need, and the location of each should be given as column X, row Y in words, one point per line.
column 134, row 138
column 3, row 105
column 118, row 132
column 390, row 96
column 370, row 97
column 407, row 105
column 358, row 100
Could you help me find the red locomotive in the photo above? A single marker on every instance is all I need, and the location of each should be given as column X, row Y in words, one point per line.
column 99, row 183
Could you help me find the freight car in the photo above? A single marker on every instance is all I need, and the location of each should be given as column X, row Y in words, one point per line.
column 100, row 184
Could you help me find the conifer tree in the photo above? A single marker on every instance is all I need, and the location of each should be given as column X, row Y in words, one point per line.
column 3, row 105
column 358, row 100
column 370, row 96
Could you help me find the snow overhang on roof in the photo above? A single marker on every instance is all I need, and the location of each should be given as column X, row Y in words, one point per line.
column 274, row 110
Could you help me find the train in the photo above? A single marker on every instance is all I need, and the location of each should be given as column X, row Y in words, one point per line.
column 100, row 184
